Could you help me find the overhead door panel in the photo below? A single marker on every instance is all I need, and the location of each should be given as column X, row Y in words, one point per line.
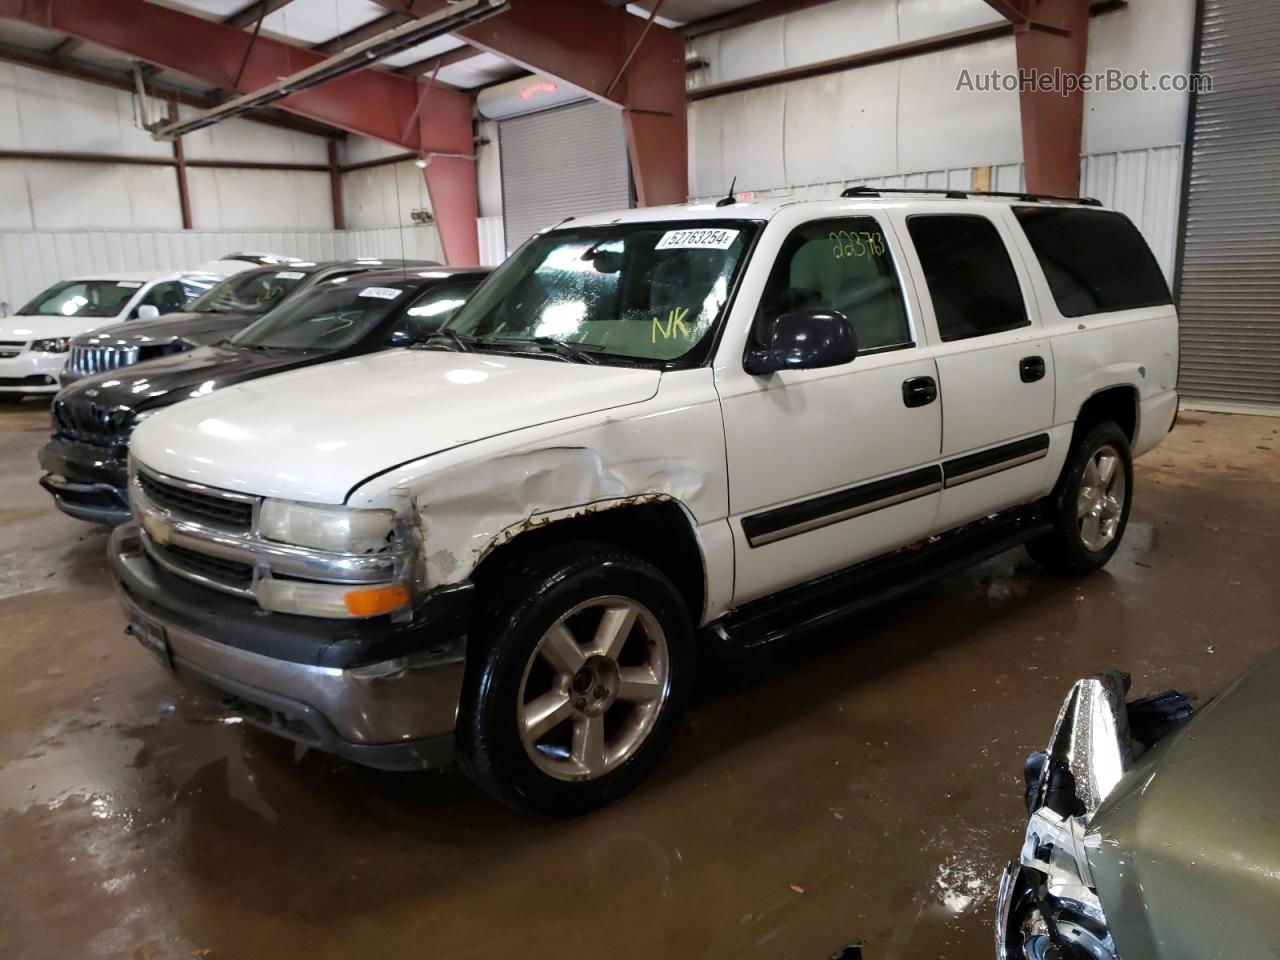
column 570, row 161
column 1229, row 292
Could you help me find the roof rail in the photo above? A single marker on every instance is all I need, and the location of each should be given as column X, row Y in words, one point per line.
column 866, row 191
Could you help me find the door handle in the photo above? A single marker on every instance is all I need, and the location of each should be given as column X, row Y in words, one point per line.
column 1031, row 369
column 919, row 391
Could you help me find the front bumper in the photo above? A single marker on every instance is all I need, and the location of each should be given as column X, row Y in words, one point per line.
column 31, row 372
column 378, row 693
column 86, row 482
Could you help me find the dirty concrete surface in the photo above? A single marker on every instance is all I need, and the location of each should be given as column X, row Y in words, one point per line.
column 865, row 787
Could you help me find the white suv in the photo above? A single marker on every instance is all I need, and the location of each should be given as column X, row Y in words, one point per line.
column 713, row 424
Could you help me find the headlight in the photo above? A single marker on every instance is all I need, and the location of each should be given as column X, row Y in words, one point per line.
column 52, row 345
column 338, row 529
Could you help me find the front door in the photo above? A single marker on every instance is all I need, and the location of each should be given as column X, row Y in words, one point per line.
column 835, row 465
column 995, row 365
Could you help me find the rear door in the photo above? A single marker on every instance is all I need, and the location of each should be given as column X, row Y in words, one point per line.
column 995, row 365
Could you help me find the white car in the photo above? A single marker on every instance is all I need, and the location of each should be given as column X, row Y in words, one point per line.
column 34, row 341
column 712, row 424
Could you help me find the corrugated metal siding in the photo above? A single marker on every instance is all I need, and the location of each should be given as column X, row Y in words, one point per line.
column 32, row 260
column 493, row 246
column 1140, row 183
column 558, row 163
column 1229, row 299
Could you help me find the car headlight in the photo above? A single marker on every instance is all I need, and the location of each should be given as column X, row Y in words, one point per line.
column 52, row 345
column 337, row 529
column 340, row 530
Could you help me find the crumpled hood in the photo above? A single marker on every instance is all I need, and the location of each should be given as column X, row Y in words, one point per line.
column 316, row 433
column 39, row 328
column 191, row 327
column 1187, row 852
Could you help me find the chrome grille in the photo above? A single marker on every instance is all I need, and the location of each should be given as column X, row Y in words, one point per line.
column 11, row 348
column 87, row 360
column 87, row 422
column 229, row 573
column 203, row 507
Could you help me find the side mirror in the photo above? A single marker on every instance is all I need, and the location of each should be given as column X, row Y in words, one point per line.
column 148, row 312
column 805, row 340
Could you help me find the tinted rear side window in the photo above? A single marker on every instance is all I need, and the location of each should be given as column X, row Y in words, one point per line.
column 970, row 276
column 1095, row 260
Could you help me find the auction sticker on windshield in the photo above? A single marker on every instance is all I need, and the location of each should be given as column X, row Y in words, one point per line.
column 706, row 239
column 382, row 293
column 131, row 284
column 289, row 275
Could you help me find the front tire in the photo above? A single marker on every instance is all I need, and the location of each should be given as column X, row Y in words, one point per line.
column 579, row 674
column 1089, row 507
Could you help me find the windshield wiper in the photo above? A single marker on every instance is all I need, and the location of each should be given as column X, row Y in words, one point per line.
column 569, row 351
column 464, row 343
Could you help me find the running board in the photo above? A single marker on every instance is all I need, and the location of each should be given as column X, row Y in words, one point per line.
column 815, row 604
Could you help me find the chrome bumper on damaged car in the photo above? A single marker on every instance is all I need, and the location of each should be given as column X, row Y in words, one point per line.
column 379, row 693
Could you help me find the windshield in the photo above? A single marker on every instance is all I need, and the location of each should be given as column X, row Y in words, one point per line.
column 83, row 298
column 643, row 291
column 253, row 291
column 330, row 317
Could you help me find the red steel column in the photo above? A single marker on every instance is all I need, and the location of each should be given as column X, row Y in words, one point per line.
column 448, row 146
column 1053, row 124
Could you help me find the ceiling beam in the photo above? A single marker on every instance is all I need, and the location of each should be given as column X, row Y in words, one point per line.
column 751, row 13
column 372, row 103
column 120, row 80
column 67, row 47
column 609, row 54
column 249, row 15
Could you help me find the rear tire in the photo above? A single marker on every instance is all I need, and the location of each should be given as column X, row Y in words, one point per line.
column 1089, row 507
column 579, row 673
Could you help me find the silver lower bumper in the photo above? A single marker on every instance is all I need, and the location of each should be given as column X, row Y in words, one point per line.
column 366, row 713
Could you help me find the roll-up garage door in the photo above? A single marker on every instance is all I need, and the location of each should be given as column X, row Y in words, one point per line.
column 569, row 161
column 1229, row 293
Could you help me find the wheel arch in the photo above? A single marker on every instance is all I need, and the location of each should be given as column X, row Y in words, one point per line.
column 657, row 528
column 1119, row 403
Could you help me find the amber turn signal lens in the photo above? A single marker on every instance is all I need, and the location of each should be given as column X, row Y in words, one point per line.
column 375, row 600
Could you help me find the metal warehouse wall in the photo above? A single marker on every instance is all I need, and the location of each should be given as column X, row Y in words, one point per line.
column 40, row 111
column 906, row 116
column 32, row 260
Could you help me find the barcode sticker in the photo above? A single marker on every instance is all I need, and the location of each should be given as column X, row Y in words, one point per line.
column 131, row 284
column 382, row 293
column 289, row 275
column 704, row 239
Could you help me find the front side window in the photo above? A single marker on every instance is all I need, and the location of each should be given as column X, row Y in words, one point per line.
column 1095, row 260
column 637, row 292
column 971, row 279
column 253, row 291
column 83, row 298
column 840, row 264
column 326, row 318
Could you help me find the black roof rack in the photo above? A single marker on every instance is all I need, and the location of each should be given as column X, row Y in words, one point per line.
column 866, row 191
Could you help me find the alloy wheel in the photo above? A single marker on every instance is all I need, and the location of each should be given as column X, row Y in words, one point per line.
column 1100, row 501
column 593, row 688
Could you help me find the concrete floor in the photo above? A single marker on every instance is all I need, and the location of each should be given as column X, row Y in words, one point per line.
column 865, row 789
